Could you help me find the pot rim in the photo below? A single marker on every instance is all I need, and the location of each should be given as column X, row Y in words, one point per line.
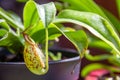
column 50, row 62
column 76, row 58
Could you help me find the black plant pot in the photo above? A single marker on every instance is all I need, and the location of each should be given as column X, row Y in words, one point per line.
column 58, row 70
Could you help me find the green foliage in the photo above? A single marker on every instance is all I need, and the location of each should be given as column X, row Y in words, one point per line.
column 118, row 6
column 96, row 66
column 91, row 6
column 41, row 24
column 111, row 58
column 9, row 38
column 46, row 13
column 75, row 38
column 38, row 24
column 30, row 15
column 22, row 1
column 13, row 21
column 56, row 57
column 85, row 5
column 96, row 24
column 108, row 32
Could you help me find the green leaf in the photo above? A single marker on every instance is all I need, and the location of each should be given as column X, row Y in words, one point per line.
column 91, row 6
column 38, row 33
column 113, row 20
column 12, row 21
column 56, row 57
column 118, row 6
column 2, row 32
column 30, row 15
column 46, row 13
column 40, row 16
column 98, row 57
column 4, row 25
column 15, row 17
column 115, row 61
column 97, row 25
column 77, row 38
column 111, row 58
column 53, row 32
column 58, row 6
column 9, row 38
column 85, row 5
column 79, row 41
column 95, row 42
column 22, row 0
column 91, row 67
column 37, row 27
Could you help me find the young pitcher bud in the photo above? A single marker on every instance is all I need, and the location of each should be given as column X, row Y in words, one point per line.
column 33, row 57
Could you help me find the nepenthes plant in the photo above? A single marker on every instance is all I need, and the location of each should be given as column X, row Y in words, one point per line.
column 37, row 28
column 41, row 24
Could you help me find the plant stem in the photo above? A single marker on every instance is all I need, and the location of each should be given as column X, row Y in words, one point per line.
column 46, row 48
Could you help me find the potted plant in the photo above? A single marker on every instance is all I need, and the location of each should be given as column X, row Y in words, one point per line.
column 22, row 41
column 109, row 67
column 41, row 20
